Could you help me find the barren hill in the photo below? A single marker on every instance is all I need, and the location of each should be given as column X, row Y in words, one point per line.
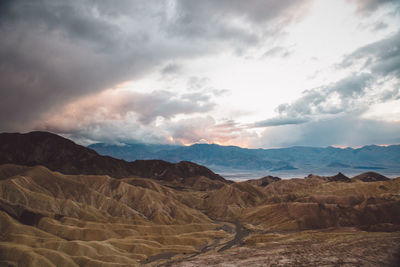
column 63, row 155
column 50, row 219
column 370, row 177
column 156, row 213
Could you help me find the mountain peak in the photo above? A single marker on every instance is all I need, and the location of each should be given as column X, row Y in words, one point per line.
column 340, row 177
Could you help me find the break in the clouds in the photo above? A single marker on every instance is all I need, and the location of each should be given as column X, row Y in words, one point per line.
column 249, row 73
column 334, row 107
column 376, row 64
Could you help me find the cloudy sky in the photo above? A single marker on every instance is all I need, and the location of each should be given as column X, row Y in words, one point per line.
column 255, row 73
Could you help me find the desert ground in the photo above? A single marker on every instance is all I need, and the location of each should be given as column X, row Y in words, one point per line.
column 53, row 219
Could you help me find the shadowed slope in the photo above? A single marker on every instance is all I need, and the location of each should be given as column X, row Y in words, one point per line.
column 370, row 177
column 263, row 181
column 313, row 203
column 63, row 155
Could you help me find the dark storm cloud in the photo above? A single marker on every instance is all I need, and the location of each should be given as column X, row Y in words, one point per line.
column 255, row 11
column 245, row 22
column 54, row 52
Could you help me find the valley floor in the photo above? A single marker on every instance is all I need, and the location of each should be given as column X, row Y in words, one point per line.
column 332, row 247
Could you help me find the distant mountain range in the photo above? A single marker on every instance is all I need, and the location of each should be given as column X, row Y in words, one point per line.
column 160, row 161
column 284, row 161
column 60, row 154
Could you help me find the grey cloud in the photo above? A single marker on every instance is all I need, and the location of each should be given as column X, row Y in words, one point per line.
column 163, row 104
column 277, row 51
column 214, row 18
column 53, row 52
column 380, row 26
column 340, row 123
column 380, row 63
column 198, row 129
column 367, row 6
column 339, row 97
column 197, row 83
column 278, row 121
column 318, row 101
column 196, row 97
column 201, row 85
column 110, row 131
column 204, row 94
column 374, row 25
column 171, row 68
column 116, row 115
column 254, row 10
column 77, row 20
column 381, row 57
column 390, row 94
column 200, row 88
column 220, row 92
column 146, row 107
column 352, row 86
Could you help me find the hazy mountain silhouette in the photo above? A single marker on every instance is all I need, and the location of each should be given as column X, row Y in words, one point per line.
column 302, row 159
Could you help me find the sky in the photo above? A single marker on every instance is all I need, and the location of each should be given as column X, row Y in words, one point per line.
column 255, row 73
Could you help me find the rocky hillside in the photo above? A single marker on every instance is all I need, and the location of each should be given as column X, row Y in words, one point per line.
column 51, row 219
column 63, row 155
column 156, row 213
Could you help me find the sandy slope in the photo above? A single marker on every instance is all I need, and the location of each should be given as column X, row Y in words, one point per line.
column 51, row 219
